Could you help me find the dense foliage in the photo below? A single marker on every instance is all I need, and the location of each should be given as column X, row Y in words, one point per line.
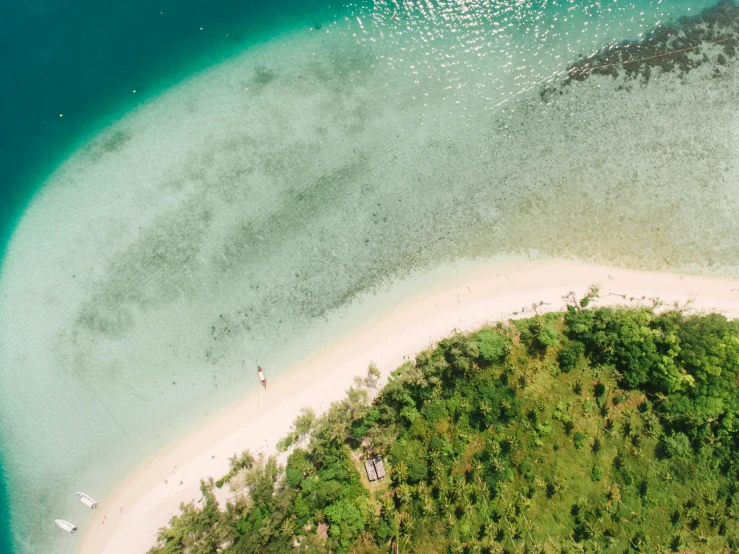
column 606, row 430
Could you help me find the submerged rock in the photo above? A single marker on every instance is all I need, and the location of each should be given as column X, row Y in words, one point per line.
column 668, row 48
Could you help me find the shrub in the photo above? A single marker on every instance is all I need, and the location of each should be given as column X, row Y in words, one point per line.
column 417, row 470
column 627, row 339
column 570, row 355
column 676, row 445
column 493, row 346
column 548, row 336
column 435, row 411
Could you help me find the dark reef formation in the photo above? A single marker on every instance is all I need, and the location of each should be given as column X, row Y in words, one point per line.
column 675, row 47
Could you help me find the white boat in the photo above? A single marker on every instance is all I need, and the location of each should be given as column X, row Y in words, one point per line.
column 68, row 527
column 87, row 500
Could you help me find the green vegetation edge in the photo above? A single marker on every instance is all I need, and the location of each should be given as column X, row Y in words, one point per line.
column 593, row 430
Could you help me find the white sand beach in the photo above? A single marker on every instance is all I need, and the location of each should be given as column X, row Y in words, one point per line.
column 127, row 521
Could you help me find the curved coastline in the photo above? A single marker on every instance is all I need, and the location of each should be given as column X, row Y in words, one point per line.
column 129, row 518
column 532, row 219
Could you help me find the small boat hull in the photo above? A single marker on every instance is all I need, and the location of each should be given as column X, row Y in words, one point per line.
column 87, row 500
column 67, row 526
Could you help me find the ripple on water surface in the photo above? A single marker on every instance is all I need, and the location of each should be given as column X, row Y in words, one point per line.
column 232, row 217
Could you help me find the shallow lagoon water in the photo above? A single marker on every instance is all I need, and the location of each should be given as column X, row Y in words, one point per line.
column 234, row 217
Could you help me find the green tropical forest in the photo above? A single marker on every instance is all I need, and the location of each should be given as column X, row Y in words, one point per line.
column 594, row 430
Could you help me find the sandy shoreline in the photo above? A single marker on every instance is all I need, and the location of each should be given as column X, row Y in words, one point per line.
column 127, row 521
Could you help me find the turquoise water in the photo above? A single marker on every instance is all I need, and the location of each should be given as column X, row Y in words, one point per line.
column 285, row 159
column 84, row 60
column 5, row 536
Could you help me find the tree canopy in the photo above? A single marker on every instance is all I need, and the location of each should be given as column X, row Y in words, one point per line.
column 594, row 430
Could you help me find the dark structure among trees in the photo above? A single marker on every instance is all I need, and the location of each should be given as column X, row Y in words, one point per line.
column 379, row 466
column 375, row 468
column 371, row 472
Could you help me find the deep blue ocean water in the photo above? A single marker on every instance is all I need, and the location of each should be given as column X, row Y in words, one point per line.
column 84, row 59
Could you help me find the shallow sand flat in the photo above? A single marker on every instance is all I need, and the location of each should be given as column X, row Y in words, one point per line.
column 480, row 294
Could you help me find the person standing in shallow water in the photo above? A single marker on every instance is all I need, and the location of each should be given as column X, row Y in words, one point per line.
column 261, row 377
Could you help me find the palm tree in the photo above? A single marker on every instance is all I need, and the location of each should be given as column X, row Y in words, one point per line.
column 488, row 538
column 445, row 504
column 438, row 468
column 387, row 504
column 407, row 521
column 518, row 548
column 475, row 548
column 497, row 464
column 510, row 439
column 504, row 505
column 456, row 546
column 493, row 446
column 422, row 489
column 460, row 492
column 400, row 471
column 442, row 486
column 558, row 483
column 483, row 491
column 287, row 527
column 404, row 493
column 714, row 517
column 428, row 506
column 513, row 528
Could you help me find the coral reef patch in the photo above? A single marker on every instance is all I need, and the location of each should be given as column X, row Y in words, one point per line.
column 681, row 46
